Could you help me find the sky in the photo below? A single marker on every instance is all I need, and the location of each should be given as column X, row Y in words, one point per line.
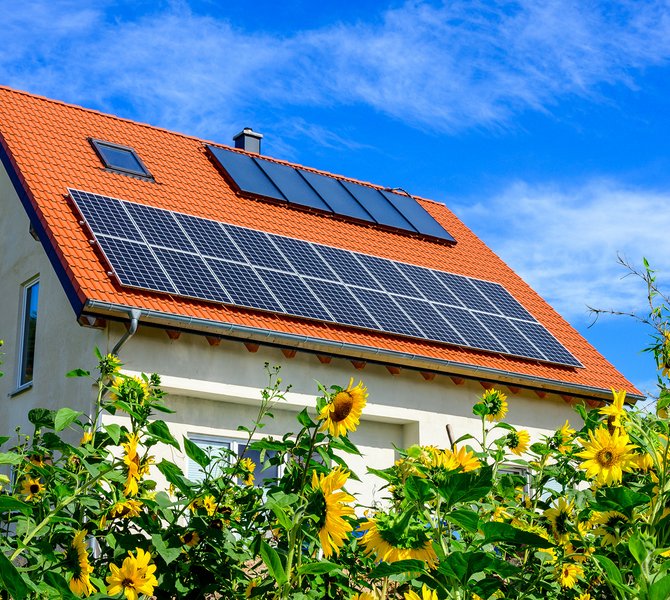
column 543, row 124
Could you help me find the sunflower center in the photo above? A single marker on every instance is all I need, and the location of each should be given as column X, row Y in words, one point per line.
column 128, row 583
column 513, row 439
column 560, row 525
column 342, row 405
column 34, row 488
column 606, row 457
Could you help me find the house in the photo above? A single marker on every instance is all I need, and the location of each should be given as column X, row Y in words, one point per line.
column 202, row 262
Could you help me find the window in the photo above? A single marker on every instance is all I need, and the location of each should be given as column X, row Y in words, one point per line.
column 28, row 329
column 120, row 158
column 218, row 446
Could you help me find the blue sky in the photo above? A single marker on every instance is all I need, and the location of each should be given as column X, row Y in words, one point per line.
column 543, row 124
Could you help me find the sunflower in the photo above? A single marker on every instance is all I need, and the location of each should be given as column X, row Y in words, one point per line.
column 333, row 501
column 343, row 412
column 32, row 488
column 110, row 365
column 125, row 510
column 80, row 583
column 248, row 467
column 135, row 577
column 584, row 596
column 364, row 596
column 426, row 594
column 209, row 504
column 132, row 461
column 607, row 455
column 86, row 438
column 518, row 441
column 460, row 458
column 568, row 574
column 496, row 405
column 559, row 518
column 389, row 544
column 563, row 438
column 579, row 554
column 133, row 390
column 612, row 527
column 615, row 412
column 190, row 538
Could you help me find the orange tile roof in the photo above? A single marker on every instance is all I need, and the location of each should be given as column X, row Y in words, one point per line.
column 47, row 144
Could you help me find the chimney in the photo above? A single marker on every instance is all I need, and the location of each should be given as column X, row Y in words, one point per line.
column 248, row 140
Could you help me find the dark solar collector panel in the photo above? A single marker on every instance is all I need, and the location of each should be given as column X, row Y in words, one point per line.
column 311, row 280
column 380, row 209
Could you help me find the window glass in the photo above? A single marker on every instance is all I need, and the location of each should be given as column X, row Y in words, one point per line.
column 28, row 329
column 120, row 158
column 213, row 448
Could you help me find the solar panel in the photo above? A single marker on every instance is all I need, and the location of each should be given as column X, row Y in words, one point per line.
column 134, row 264
column 198, row 258
column 277, row 181
column 292, row 185
column 245, row 173
column 380, row 209
column 210, row 238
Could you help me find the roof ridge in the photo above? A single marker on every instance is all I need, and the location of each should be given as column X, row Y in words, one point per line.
column 205, row 141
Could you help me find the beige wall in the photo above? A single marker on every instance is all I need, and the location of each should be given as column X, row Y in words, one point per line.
column 216, row 388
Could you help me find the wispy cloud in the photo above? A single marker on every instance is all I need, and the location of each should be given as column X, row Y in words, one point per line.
column 449, row 66
column 564, row 240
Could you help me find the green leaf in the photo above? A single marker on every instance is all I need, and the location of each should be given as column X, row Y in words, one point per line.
column 304, row 419
column 11, row 580
column 418, row 489
column 173, row 474
column 41, row 417
column 612, row 571
column 320, row 567
column 195, row 453
column 465, row 518
column 466, row 487
column 346, row 445
column 58, row 582
column 113, row 431
column 10, row 458
column 276, row 445
column 78, row 373
column 273, row 563
column 637, row 548
column 660, row 590
column 9, row 504
column 396, row 568
column 504, row 532
column 160, row 430
column 65, row 417
column 167, row 554
column 620, row 499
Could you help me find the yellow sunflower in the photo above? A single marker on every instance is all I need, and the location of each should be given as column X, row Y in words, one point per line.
column 364, row 596
column 460, row 458
column 132, row 461
column 518, row 441
column 110, row 365
column 568, row 573
column 130, row 389
column 426, row 594
column 86, row 438
column 209, row 504
column 584, row 596
column 125, row 510
column 333, row 506
column 615, row 412
column 413, row 542
column 559, row 518
column 563, row 438
column 607, row 455
column 496, row 404
column 248, row 466
column 343, row 412
column 612, row 526
column 579, row 554
column 134, row 577
column 32, row 488
column 80, row 583
column 190, row 538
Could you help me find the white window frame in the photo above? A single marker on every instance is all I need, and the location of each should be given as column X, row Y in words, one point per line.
column 521, row 471
column 216, row 442
column 31, row 284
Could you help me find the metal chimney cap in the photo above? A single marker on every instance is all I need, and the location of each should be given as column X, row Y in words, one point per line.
column 248, row 140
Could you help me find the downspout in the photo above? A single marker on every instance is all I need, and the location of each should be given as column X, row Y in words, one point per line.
column 135, row 315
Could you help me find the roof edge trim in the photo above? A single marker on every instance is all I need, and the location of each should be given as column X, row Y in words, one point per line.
column 26, row 200
column 345, row 350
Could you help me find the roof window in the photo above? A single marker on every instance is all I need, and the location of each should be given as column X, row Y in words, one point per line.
column 120, row 158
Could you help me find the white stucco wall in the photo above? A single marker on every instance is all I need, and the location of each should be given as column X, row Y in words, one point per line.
column 216, row 388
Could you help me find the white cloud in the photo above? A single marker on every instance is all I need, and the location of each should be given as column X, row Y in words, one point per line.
column 564, row 240
column 449, row 66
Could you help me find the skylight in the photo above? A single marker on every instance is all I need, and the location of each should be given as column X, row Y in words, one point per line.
column 120, row 158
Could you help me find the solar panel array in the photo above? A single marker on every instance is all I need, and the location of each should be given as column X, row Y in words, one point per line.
column 176, row 253
column 261, row 177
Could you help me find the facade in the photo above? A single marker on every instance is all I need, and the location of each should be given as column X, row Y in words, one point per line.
column 63, row 292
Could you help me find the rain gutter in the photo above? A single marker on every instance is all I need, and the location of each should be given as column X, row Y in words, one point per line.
column 350, row 351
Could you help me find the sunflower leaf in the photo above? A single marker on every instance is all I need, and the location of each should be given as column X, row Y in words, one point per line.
column 65, row 417
column 396, row 568
column 195, row 453
column 323, row 566
column 11, row 580
column 273, row 562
